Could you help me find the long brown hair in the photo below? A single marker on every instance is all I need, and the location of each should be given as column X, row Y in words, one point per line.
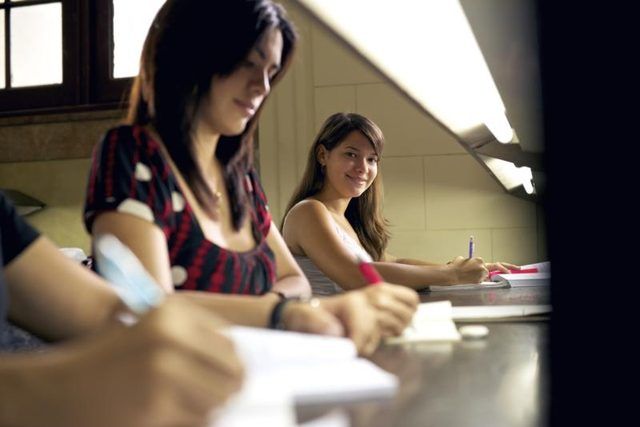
column 364, row 213
column 188, row 43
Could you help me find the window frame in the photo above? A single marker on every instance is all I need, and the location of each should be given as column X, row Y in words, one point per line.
column 87, row 43
column 45, row 96
column 104, row 88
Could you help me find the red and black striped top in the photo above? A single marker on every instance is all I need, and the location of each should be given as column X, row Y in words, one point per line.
column 130, row 174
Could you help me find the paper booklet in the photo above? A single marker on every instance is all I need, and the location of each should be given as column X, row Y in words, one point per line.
column 432, row 321
column 314, row 368
column 538, row 274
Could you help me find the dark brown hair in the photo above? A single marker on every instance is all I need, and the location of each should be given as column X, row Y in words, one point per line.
column 364, row 213
column 188, row 43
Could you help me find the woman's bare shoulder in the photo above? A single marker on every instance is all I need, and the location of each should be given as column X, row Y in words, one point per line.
column 308, row 208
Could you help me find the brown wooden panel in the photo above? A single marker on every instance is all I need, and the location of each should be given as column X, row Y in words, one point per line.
column 61, row 137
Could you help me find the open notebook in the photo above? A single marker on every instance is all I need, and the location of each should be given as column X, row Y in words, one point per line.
column 287, row 368
column 538, row 274
column 315, row 368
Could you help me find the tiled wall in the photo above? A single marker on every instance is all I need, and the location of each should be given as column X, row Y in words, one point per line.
column 436, row 195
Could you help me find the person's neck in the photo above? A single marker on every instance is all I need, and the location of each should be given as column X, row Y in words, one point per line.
column 336, row 203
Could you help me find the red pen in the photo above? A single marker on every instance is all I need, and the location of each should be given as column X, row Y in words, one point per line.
column 371, row 276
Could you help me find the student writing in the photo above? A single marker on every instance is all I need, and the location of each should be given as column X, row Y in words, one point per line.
column 335, row 215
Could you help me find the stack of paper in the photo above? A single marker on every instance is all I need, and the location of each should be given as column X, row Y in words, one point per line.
column 432, row 321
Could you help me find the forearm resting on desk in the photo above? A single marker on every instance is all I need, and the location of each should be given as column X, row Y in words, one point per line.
column 243, row 310
column 415, row 276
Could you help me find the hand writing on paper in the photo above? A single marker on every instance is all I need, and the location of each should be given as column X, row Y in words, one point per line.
column 170, row 368
column 468, row 270
column 394, row 305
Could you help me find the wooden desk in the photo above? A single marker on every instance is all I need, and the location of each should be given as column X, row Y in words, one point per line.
column 502, row 380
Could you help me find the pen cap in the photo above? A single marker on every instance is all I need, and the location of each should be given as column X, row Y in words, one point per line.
column 118, row 265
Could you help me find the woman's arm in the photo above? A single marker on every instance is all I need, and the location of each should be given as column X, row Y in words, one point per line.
column 417, row 276
column 387, row 257
column 54, row 297
column 291, row 281
column 309, row 229
column 501, row 266
column 145, row 240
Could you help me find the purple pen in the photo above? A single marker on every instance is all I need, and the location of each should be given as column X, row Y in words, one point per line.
column 471, row 247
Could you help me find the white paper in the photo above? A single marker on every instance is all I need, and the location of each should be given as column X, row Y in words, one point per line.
column 313, row 368
column 261, row 402
column 432, row 321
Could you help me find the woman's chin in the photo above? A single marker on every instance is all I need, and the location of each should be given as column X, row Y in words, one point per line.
column 355, row 193
column 235, row 129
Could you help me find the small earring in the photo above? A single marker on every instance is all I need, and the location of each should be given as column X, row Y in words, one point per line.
column 323, row 169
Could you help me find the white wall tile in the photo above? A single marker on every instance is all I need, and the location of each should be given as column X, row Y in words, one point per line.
column 461, row 194
column 333, row 99
column 407, row 130
column 516, row 245
column 404, row 192
column 439, row 245
column 334, row 64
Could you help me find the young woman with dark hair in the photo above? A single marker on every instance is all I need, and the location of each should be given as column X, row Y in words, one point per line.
column 177, row 184
column 335, row 216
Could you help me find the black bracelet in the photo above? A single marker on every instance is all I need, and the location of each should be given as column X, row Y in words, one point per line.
column 276, row 321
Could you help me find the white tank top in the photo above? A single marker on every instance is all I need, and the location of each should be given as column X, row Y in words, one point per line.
column 320, row 283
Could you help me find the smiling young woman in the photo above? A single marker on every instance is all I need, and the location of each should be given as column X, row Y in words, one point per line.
column 335, row 216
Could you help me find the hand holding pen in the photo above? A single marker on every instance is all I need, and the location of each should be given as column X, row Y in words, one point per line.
column 136, row 288
column 171, row 352
column 470, row 269
column 395, row 305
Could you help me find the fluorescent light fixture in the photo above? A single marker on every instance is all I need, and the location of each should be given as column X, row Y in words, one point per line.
column 510, row 175
column 427, row 48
